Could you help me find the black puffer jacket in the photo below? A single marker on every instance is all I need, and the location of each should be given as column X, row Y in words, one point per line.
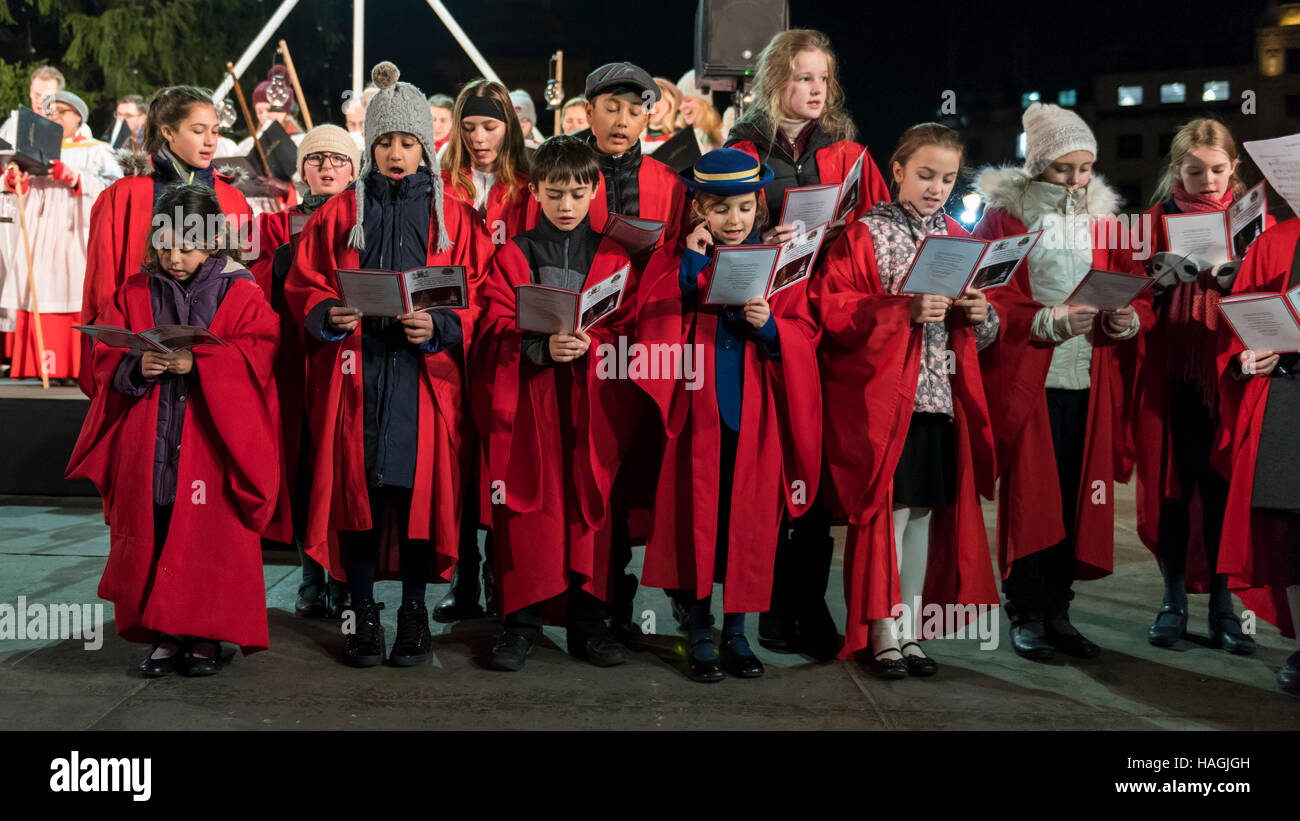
column 790, row 172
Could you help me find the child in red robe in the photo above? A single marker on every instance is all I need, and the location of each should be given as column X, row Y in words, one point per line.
column 180, row 140
column 908, row 438
column 1259, row 400
column 555, row 426
column 742, row 419
column 1058, row 381
column 386, row 394
column 184, row 449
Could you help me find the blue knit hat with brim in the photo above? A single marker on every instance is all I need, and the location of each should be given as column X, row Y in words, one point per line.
column 727, row 172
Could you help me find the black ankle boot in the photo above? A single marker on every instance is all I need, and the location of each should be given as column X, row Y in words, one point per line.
column 413, row 642
column 461, row 601
column 365, row 646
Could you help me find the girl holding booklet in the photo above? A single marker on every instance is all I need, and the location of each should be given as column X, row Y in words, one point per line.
column 180, row 140
column 184, row 449
column 798, row 124
column 387, row 400
column 750, row 448
column 909, row 440
column 1258, row 401
column 485, row 164
column 1177, row 407
column 555, row 422
column 1056, row 381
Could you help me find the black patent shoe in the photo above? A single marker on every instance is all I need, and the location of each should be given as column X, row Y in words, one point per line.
column 1170, row 626
column 1225, row 632
column 413, row 642
column 776, row 631
column 1029, row 640
column 310, row 608
column 1288, row 678
column 511, row 651
column 919, row 665
column 195, row 666
column 461, row 601
column 600, row 648
column 157, row 668
column 705, row 671
column 738, row 660
column 365, row 646
column 888, row 668
column 1065, row 637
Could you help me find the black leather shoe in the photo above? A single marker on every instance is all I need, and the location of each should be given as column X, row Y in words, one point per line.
column 777, row 631
column 705, row 671
column 157, row 668
column 888, row 668
column 511, row 651
column 1065, row 637
column 738, row 660
column 339, row 602
column 1170, row 626
column 1288, row 678
column 489, row 591
column 1029, row 640
column 921, row 665
column 1225, row 632
column 413, row 642
column 310, row 608
column 601, row 649
column 817, row 636
column 461, row 601
column 365, row 647
column 196, row 666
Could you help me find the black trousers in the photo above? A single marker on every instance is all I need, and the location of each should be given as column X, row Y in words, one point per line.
column 361, row 547
column 1038, row 585
column 726, row 482
column 1192, row 429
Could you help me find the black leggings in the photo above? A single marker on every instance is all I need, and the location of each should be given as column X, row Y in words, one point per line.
column 1192, row 428
column 361, row 547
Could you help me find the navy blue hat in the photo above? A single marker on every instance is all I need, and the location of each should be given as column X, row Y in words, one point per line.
column 727, row 171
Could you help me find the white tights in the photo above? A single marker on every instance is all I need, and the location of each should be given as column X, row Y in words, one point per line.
column 912, row 554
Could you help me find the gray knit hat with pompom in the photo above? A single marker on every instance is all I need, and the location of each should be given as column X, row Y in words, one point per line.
column 397, row 107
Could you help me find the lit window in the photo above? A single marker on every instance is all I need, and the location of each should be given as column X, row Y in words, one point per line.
column 1130, row 95
column 1020, row 146
column 1067, row 96
column 1215, row 91
column 1173, row 93
column 1029, row 97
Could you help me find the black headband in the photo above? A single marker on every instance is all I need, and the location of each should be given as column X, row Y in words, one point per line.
column 477, row 106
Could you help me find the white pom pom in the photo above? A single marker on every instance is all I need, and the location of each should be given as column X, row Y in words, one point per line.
column 384, row 74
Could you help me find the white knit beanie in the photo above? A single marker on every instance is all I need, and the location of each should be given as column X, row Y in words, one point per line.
column 1052, row 132
column 397, row 107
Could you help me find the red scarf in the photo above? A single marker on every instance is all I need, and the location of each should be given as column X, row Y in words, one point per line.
column 1193, row 312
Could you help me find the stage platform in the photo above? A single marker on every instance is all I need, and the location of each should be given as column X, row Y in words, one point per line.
column 38, row 429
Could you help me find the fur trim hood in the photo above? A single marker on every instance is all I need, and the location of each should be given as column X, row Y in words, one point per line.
column 133, row 163
column 1005, row 187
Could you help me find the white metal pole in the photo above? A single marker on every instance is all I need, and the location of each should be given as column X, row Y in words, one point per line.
column 440, row 9
column 253, row 48
column 358, row 47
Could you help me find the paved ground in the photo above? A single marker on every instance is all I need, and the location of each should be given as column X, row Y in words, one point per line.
column 53, row 550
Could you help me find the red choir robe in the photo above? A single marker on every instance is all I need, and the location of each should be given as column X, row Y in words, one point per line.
column 833, row 164
column 778, row 454
column 335, row 397
column 552, row 515
column 1249, row 547
column 1157, row 473
column 209, row 579
column 1015, row 373
column 504, row 218
column 272, row 232
column 120, row 226
column 662, row 196
column 871, row 360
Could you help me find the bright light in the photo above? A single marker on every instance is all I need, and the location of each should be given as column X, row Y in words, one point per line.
column 1021, row 145
column 1215, row 91
column 1130, row 95
column 970, row 208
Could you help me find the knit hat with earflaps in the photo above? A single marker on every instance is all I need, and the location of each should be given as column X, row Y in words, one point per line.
column 1051, row 132
column 397, row 107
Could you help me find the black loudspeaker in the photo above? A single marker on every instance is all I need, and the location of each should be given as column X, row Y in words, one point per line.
column 729, row 34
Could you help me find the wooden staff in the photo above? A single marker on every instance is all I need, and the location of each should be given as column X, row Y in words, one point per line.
column 559, row 77
column 252, row 127
column 31, row 279
column 297, row 88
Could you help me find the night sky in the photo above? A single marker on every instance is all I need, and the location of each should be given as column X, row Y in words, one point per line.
column 896, row 57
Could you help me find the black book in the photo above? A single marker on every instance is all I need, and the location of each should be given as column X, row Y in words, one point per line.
column 281, row 152
column 680, row 151
column 39, row 142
